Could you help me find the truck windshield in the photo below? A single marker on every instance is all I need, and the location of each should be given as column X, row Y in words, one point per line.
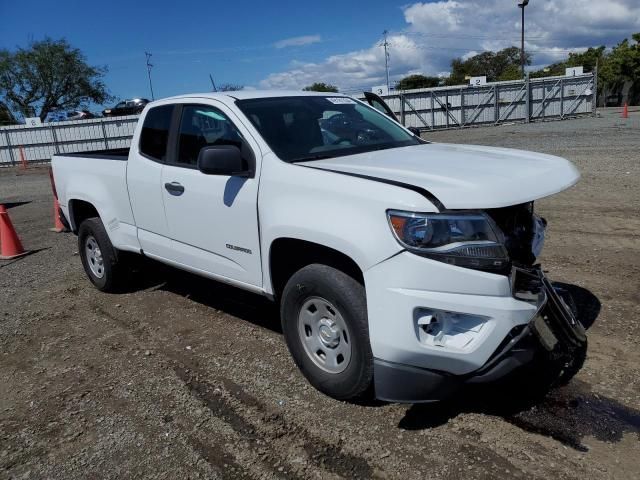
column 316, row 127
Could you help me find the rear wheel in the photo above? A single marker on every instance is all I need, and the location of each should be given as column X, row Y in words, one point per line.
column 99, row 257
column 324, row 319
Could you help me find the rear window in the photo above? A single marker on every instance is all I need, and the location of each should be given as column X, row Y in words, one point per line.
column 155, row 132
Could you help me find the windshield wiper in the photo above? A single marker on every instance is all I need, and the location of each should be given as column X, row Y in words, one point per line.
column 310, row 157
column 384, row 146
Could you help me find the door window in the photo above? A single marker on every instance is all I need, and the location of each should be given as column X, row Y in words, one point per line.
column 203, row 126
column 155, row 132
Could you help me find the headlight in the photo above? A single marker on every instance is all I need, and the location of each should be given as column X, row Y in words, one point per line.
column 469, row 240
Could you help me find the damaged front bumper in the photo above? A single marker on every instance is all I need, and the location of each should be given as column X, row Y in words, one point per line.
column 553, row 334
column 556, row 326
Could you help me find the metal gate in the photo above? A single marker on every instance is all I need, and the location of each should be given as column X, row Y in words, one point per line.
column 495, row 103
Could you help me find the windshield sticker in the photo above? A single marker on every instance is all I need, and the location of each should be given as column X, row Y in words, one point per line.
column 341, row 100
column 211, row 114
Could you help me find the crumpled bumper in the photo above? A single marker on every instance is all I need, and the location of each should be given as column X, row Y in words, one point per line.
column 553, row 331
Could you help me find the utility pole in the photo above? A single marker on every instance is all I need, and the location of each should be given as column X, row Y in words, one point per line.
column 521, row 5
column 149, row 66
column 386, row 58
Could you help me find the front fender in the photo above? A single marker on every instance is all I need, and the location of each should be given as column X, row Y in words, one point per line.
column 344, row 213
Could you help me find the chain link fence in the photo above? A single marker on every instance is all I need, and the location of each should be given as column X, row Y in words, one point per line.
column 39, row 143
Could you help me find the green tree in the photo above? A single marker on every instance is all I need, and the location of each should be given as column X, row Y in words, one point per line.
column 321, row 87
column 417, row 81
column 623, row 63
column 501, row 65
column 512, row 72
column 6, row 118
column 618, row 69
column 588, row 59
column 49, row 75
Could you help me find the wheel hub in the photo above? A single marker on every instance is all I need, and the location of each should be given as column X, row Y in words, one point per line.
column 324, row 335
column 94, row 256
column 329, row 333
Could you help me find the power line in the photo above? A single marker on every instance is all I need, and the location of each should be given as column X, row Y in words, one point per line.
column 469, row 49
column 507, row 36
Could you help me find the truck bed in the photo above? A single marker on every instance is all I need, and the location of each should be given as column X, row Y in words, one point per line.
column 91, row 178
column 121, row 154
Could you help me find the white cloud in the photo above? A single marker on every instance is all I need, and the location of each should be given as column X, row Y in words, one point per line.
column 436, row 32
column 351, row 69
column 298, row 41
column 445, row 15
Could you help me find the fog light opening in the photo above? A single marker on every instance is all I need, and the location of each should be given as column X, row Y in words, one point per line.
column 444, row 329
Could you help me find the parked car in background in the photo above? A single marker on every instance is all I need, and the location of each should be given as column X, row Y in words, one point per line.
column 80, row 115
column 126, row 107
column 56, row 117
column 60, row 116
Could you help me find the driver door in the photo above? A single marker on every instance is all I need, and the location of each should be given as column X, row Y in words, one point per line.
column 212, row 219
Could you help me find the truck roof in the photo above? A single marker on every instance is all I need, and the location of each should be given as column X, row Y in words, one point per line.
column 248, row 94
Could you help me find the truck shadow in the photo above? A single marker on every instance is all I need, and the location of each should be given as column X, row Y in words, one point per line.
column 567, row 414
column 233, row 301
column 585, row 303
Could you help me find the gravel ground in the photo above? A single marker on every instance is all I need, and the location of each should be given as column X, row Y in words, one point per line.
column 186, row 378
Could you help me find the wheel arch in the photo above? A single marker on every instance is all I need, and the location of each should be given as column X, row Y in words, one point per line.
column 79, row 211
column 287, row 255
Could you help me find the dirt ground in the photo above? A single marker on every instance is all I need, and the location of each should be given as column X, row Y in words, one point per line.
column 186, row 378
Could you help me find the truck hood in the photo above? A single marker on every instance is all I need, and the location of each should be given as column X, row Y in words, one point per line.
column 463, row 176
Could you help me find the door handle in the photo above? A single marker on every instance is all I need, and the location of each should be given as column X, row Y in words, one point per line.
column 174, row 188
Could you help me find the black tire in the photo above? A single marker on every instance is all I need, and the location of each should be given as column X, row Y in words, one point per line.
column 348, row 297
column 113, row 278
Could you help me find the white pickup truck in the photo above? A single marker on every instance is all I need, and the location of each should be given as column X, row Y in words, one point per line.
column 404, row 269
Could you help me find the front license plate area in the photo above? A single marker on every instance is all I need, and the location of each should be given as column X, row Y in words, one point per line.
column 561, row 318
column 555, row 325
column 544, row 333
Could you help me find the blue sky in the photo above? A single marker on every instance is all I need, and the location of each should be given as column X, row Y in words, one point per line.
column 272, row 44
column 234, row 41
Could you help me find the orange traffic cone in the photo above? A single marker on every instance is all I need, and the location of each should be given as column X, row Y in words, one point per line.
column 10, row 245
column 23, row 159
column 625, row 111
column 58, row 227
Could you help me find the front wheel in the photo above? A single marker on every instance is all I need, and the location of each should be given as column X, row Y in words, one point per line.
column 324, row 319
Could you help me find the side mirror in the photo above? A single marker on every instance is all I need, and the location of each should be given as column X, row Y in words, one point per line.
column 222, row 160
column 414, row 130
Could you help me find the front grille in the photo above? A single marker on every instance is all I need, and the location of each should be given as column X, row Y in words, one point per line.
column 517, row 225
